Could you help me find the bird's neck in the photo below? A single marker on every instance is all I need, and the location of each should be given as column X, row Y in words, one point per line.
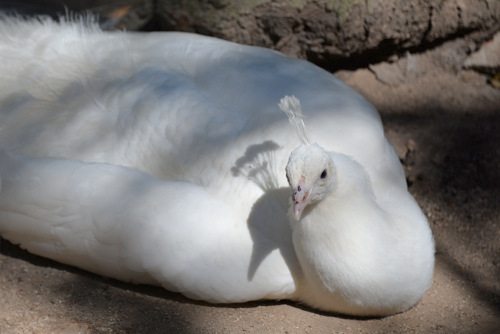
column 334, row 238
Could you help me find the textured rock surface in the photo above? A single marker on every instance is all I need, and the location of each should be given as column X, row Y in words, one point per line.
column 331, row 33
column 322, row 30
column 487, row 58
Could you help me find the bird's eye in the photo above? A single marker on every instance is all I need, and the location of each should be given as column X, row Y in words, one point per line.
column 323, row 175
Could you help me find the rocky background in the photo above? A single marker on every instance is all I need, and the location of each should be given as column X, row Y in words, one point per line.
column 334, row 34
column 432, row 69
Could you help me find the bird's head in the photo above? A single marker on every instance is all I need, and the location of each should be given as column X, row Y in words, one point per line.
column 310, row 174
column 310, row 171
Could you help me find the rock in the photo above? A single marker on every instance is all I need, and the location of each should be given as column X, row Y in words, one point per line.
column 331, row 33
column 405, row 70
column 495, row 81
column 328, row 31
column 487, row 58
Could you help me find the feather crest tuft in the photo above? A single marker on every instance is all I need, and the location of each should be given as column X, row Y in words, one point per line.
column 290, row 105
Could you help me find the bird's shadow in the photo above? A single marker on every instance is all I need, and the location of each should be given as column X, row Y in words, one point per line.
column 268, row 222
column 269, row 229
column 258, row 164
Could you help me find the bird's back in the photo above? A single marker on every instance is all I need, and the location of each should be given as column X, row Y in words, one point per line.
column 165, row 103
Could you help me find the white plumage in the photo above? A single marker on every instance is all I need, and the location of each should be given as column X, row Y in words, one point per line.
column 160, row 158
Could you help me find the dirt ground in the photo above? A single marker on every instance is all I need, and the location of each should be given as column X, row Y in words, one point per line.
column 445, row 124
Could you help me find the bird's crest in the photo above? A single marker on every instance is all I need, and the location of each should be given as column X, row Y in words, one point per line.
column 290, row 105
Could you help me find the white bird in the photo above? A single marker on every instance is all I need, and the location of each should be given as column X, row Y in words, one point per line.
column 163, row 158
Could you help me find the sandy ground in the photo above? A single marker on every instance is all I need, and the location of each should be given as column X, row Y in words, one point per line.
column 445, row 124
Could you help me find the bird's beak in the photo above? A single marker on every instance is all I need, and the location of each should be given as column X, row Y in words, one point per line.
column 300, row 199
